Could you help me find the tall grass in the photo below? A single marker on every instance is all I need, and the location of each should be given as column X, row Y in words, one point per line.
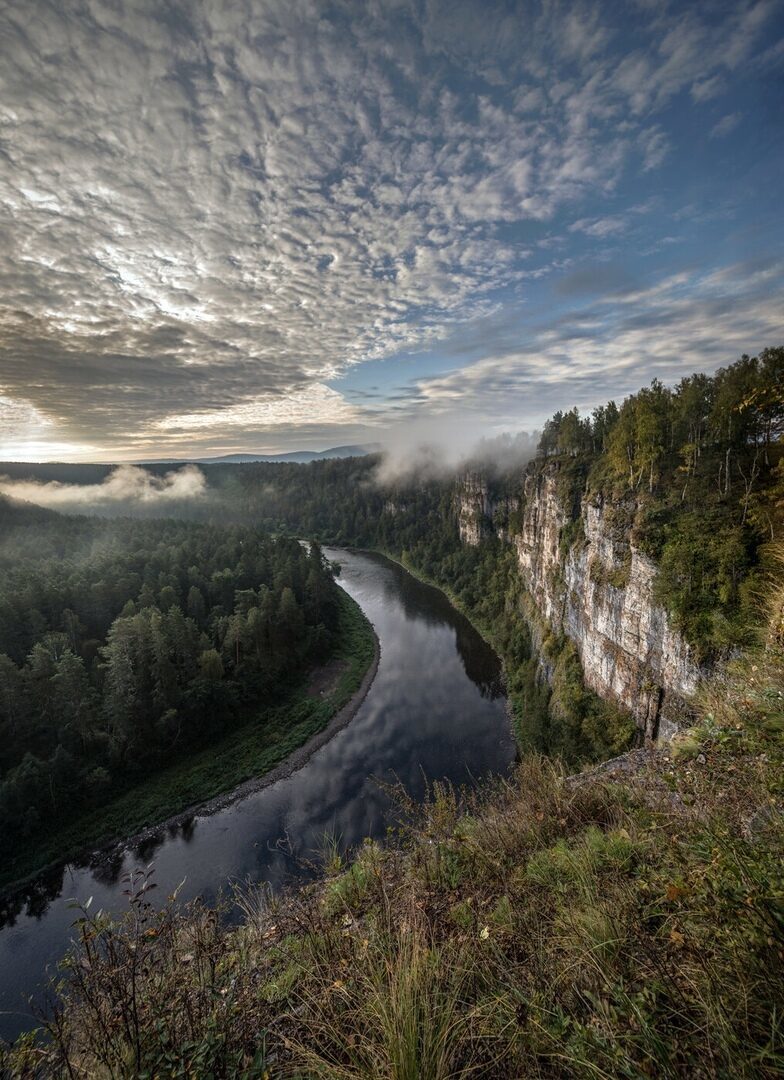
column 402, row 1015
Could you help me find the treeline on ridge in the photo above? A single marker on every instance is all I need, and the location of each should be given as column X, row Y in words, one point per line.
column 695, row 475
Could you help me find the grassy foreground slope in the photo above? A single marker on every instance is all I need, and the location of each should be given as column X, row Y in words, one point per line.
column 626, row 922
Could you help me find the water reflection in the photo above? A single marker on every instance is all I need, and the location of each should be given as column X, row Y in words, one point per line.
column 428, row 606
column 435, row 710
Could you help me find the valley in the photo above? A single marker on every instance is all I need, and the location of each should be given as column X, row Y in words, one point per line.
column 540, row 611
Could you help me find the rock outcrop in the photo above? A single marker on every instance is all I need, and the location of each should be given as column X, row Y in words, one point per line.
column 587, row 580
column 474, row 508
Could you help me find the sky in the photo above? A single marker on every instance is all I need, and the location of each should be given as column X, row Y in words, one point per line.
column 268, row 225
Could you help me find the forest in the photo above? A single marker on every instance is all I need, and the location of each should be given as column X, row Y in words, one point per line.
column 693, row 474
column 124, row 644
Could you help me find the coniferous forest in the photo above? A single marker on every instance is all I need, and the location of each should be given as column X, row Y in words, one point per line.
column 125, row 645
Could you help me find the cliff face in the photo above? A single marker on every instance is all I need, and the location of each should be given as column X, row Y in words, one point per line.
column 474, row 508
column 587, row 580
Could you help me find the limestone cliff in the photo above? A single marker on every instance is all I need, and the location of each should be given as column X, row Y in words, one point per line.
column 586, row 579
column 474, row 508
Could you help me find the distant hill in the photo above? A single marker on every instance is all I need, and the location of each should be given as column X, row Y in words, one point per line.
column 300, row 457
column 82, row 473
column 14, row 512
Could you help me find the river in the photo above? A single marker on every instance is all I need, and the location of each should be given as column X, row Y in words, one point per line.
column 436, row 709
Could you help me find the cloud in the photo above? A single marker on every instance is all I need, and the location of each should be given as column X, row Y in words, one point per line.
column 726, row 125
column 294, row 409
column 212, row 211
column 690, row 321
column 706, row 89
column 655, row 147
column 126, row 483
column 692, row 49
column 600, row 227
column 432, row 451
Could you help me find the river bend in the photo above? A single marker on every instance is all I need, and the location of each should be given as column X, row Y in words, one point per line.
column 436, row 709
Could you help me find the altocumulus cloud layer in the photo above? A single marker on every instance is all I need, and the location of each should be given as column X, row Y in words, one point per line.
column 216, row 213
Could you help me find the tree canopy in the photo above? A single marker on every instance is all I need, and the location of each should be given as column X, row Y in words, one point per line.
column 122, row 643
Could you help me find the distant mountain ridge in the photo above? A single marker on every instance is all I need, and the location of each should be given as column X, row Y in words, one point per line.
column 300, row 457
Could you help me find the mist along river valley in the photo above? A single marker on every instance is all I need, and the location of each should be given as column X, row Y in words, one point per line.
column 436, row 709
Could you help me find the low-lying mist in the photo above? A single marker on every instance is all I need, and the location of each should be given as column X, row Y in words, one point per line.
column 439, row 459
column 125, row 484
column 410, row 460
